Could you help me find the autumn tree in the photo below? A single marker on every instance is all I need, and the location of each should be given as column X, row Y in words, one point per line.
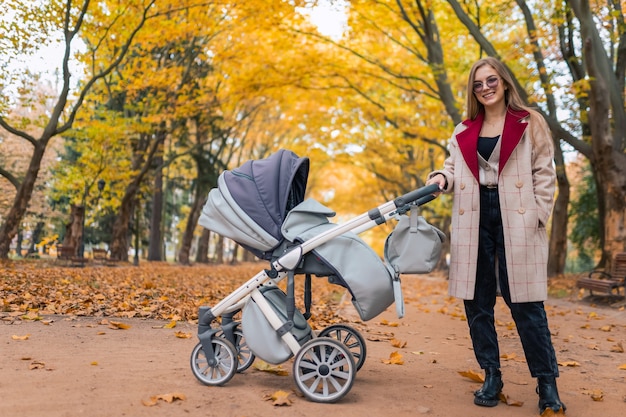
column 604, row 58
column 411, row 53
column 65, row 20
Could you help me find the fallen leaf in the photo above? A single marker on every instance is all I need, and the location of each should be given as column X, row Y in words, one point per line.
column 623, row 367
column 510, row 402
column 36, row 365
column 548, row 412
column 476, row 377
column 569, row 363
column 398, row 343
column 597, row 395
column 395, row 358
column 32, row 315
column 182, row 335
column 25, row 337
column 279, row 398
column 618, row 348
column 266, row 367
column 170, row 325
column 169, row 398
column 509, row 356
column 149, row 403
column 118, row 325
column 94, row 363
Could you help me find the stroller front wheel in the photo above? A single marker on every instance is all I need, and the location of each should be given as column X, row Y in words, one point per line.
column 349, row 337
column 218, row 369
column 245, row 357
column 324, row 370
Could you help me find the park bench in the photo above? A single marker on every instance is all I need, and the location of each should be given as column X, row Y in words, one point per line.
column 611, row 282
column 68, row 254
column 99, row 255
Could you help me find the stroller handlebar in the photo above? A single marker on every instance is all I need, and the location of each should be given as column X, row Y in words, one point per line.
column 420, row 196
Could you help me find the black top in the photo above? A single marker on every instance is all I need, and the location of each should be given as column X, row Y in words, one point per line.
column 486, row 145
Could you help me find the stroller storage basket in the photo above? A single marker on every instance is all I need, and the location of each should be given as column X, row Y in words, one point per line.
column 262, row 339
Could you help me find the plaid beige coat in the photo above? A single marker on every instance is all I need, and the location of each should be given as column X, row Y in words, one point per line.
column 526, row 185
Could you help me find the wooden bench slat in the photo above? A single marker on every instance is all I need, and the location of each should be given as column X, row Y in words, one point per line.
column 609, row 282
column 68, row 253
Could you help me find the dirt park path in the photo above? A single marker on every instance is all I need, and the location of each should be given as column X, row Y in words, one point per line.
column 82, row 366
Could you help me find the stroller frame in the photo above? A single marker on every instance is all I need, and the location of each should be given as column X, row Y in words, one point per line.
column 324, row 367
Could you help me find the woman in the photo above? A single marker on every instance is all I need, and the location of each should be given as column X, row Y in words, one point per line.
column 501, row 171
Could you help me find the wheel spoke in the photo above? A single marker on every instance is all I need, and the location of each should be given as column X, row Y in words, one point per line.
column 340, row 374
column 315, row 384
column 308, row 376
column 336, row 384
column 308, row 365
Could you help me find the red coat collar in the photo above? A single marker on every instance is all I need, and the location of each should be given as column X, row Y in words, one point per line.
column 511, row 135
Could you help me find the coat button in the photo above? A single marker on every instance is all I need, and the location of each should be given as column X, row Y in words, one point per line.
column 461, row 211
column 521, row 210
column 519, row 184
column 462, row 186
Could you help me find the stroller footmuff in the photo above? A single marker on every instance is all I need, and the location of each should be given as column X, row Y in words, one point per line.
column 261, row 206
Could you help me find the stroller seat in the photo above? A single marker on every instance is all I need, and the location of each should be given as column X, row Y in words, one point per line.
column 354, row 264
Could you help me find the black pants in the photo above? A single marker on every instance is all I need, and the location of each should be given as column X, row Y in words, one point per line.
column 530, row 318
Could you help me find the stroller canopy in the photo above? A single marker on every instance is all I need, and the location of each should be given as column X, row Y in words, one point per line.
column 269, row 188
column 251, row 202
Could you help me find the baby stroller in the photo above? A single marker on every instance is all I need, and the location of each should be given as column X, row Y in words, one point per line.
column 261, row 206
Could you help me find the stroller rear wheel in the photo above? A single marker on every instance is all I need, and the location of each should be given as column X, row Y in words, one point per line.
column 349, row 337
column 324, row 370
column 218, row 369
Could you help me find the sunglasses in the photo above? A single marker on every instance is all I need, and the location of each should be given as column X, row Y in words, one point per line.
column 491, row 82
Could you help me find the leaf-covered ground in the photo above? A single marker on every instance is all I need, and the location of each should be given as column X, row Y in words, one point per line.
column 150, row 290
column 115, row 340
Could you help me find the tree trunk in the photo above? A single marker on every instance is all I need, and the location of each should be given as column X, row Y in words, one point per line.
column 608, row 134
column 155, row 246
column 120, row 234
column 74, row 229
column 248, row 256
column 36, row 237
column 219, row 250
column 235, row 254
column 202, row 256
column 558, row 233
column 22, row 198
column 18, row 244
column 192, row 222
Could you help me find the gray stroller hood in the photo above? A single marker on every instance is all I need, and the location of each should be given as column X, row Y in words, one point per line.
column 250, row 203
column 354, row 263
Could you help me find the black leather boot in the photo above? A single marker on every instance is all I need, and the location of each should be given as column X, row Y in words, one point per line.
column 548, row 394
column 489, row 394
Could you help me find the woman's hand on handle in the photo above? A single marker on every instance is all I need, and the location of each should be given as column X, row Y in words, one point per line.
column 438, row 179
